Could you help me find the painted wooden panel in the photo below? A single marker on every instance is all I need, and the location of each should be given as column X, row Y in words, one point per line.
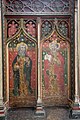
column 22, row 61
column 13, row 12
column 55, row 70
column 22, row 73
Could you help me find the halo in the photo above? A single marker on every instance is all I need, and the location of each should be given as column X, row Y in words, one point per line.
column 22, row 44
column 54, row 45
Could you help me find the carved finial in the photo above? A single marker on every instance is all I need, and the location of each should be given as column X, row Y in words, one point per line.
column 38, row 20
column 21, row 22
column 55, row 21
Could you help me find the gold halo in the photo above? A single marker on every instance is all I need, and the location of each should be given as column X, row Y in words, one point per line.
column 54, row 43
column 20, row 44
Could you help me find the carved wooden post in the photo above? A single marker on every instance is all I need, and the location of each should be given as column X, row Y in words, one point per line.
column 39, row 109
column 1, row 79
column 75, row 112
column 76, row 55
column 79, row 41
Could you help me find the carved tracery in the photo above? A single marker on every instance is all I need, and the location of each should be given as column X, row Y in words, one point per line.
column 38, row 6
column 12, row 27
column 61, row 9
column 30, row 27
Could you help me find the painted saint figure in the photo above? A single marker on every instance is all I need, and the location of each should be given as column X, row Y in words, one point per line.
column 22, row 66
column 53, row 68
